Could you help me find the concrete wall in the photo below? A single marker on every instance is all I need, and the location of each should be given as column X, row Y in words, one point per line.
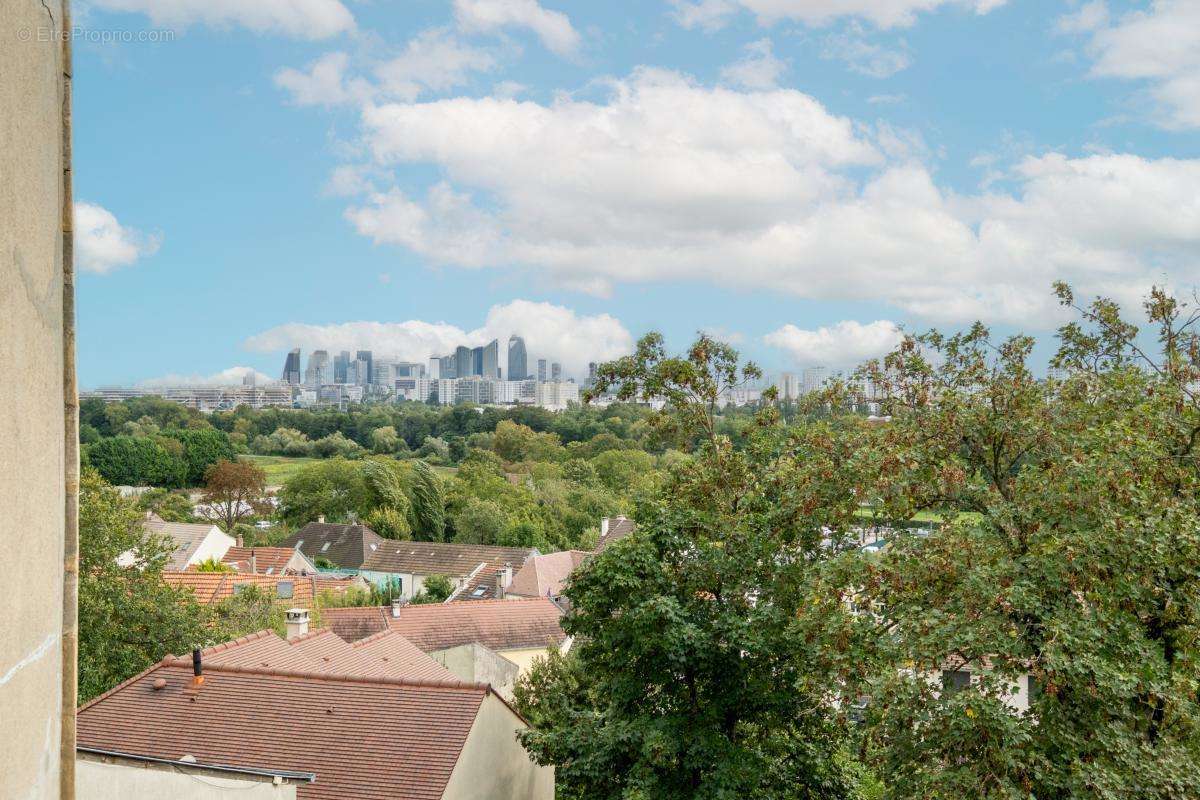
column 475, row 663
column 524, row 657
column 98, row 779
column 493, row 765
column 32, row 419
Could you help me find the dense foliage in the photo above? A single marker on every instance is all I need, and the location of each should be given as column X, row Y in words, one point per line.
column 743, row 644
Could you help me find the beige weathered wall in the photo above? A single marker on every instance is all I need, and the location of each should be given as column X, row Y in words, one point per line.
column 524, row 657
column 493, row 765
column 100, row 780
column 474, row 663
column 31, row 405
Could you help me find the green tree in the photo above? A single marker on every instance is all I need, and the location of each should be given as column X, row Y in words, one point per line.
column 1071, row 557
column 233, row 491
column 336, row 489
column 128, row 616
column 695, row 673
column 166, row 505
column 427, row 503
column 139, row 461
column 202, row 449
column 251, row 608
column 479, row 522
column 435, row 589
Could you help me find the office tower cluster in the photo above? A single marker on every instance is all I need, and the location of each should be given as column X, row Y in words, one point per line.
column 466, row 375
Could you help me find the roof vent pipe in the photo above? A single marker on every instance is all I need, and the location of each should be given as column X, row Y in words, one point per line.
column 197, row 666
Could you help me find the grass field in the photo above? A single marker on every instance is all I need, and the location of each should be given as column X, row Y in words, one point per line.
column 280, row 468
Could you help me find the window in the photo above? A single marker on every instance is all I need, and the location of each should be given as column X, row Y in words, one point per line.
column 480, row 592
column 955, row 680
column 325, row 547
column 284, row 589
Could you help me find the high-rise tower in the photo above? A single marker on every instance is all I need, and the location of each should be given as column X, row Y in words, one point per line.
column 291, row 367
column 518, row 359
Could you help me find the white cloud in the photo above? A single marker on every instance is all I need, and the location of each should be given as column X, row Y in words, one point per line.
column 102, row 244
column 552, row 27
column 432, row 61
column 758, row 69
column 551, row 332
column 668, row 180
column 300, row 19
column 864, row 57
column 844, row 344
column 323, row 83
column 710, row 14
column 228, row 377
column 1160, row 45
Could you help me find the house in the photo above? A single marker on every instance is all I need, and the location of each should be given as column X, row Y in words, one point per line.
column 477, row 571
column 519, row 630
column 344, row 546
column 269, row 561
column 384, row 655
column 475, row 663
column 359, row 737
column 614, row 529
column 545, row 575
column 107, row 775
column 292, row 590
column 194, row 542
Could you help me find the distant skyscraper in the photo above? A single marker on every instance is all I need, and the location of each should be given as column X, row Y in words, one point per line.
column 591, row 373
column 435, row 367
column 788, row 386
column 542, row 370
column 317, row 373
column 341, row 367
column 365, row 379
column 518, row 360
column 291, row 367
column 814, row 378
column 463, row 362
column 489, row 366
column 556, row 371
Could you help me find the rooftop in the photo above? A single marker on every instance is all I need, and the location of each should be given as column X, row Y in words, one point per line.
column 346, row 546
column 545, row 575
column 187, row 536
column 361, row 737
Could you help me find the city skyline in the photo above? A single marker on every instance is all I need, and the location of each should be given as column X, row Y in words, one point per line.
column 799, row 182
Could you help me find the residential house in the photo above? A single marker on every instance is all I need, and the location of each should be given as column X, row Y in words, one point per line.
column 291, row 590
column 344, row 546
column 613, row 529
column 106, row 775
column 194, row 542
column 477, row 571
column 269, row 561
column 519, row 630
column 360, row 737
column 545, row 575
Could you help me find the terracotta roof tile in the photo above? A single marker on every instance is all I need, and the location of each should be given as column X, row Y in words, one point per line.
column 496, row 624
column 380, row 738
column 266, row 560
column 355, row 623
column 545, row 575
column 213, row 587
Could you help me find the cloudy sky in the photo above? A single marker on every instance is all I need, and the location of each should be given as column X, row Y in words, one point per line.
column 803, row 177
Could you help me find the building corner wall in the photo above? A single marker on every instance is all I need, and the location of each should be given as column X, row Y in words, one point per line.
column 34, row 213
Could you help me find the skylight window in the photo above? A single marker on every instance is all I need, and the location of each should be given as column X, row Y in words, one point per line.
column 325, row 547
column 480, row 592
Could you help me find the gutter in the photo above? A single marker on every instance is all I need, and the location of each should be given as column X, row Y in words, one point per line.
column 283, row 774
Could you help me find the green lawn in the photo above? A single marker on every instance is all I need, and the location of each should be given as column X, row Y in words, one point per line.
column 279, row 468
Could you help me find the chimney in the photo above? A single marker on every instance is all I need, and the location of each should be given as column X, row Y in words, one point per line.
column 296, row 622
column 396, row 604
column 240, row 542
column 321, row 519
column 603, row 527
column 503, row 581
column 197, row 669
column 253, row 563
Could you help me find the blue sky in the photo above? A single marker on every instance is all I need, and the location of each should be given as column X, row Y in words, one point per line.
column 803, row 177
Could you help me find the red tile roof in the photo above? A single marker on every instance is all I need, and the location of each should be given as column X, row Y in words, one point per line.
column 615, row 529
column 266, row 560
column 213, row 587
column 355, row 623
column 402, row 656
column 496, row 624
column 364, row 738
column 545, row 575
